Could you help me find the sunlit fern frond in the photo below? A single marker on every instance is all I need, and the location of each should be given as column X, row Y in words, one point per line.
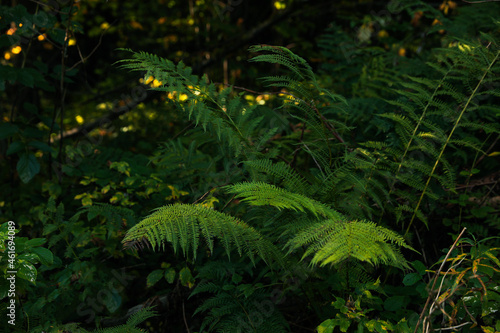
column 332, row 242
column 263, row 194
column 185, row 226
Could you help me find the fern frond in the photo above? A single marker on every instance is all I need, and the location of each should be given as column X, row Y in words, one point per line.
column 285, row 57
column 217, row 111
column 332, row 242
column 259, row 194
column 183, row 225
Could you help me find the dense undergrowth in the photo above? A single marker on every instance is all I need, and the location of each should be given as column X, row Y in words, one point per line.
column 357, row 195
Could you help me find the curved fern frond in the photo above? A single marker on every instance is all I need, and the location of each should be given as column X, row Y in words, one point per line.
column 183, row 225
column 332, row 242
column 260, row 194
column 285, row 57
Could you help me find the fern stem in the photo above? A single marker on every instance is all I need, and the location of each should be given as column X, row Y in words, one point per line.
column 420, row 122
column 448, row 139
column 414, row 134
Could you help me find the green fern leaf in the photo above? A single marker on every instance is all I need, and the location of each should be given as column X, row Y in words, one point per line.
column 259, row 194
column 332, row 242
column 184, row 225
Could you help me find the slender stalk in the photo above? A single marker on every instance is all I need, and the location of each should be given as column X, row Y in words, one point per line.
column 436, row 275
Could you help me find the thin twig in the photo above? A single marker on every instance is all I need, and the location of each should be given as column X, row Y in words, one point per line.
column 483, row 1
column 62, row 89
column 52, row 9
column 313, row 158
column 230, row 200
column 184, row 316
column 91, row 52
column 436, row 277
column 452, row 328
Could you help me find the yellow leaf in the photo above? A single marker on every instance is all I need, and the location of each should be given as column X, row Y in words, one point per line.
column 136, row 25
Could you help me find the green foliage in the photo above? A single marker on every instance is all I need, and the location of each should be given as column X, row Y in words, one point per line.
column 19, row 255
column 465, row 291
column 236, row 304
column 130, row 326
column 385, row 125
column 227, row 118
column 332, row 237
column 331, row 242
column 184, row 225
column 314, row 212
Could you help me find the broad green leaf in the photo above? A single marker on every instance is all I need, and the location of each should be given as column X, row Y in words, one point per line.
column 25, row 78
column 57, row 35
column 26, row 271
column 394, row 303
column 170, row 275
column 15, row 147
column 326, row 327
column 87, row 201
column 154, row 277
column 46, row 257
column 186, row 277
column 27, row 167
column 112, row 303
column 419, row 266
column 344, row 324
column 236, row 278
column 7, row 130
column 411, row 278
column 41, row 146
column 54, row 295
column 35, row 242
column 29, row 257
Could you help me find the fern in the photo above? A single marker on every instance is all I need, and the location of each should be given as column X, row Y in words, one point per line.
column 234, row 306
column 488, row 59
column 183, row 225
column 265, row 194
column 231, row 120
column 332, row 242
column 232, row 309
column 426, row 118
column 320, row 215
column 286, row 175
column 130, row 326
